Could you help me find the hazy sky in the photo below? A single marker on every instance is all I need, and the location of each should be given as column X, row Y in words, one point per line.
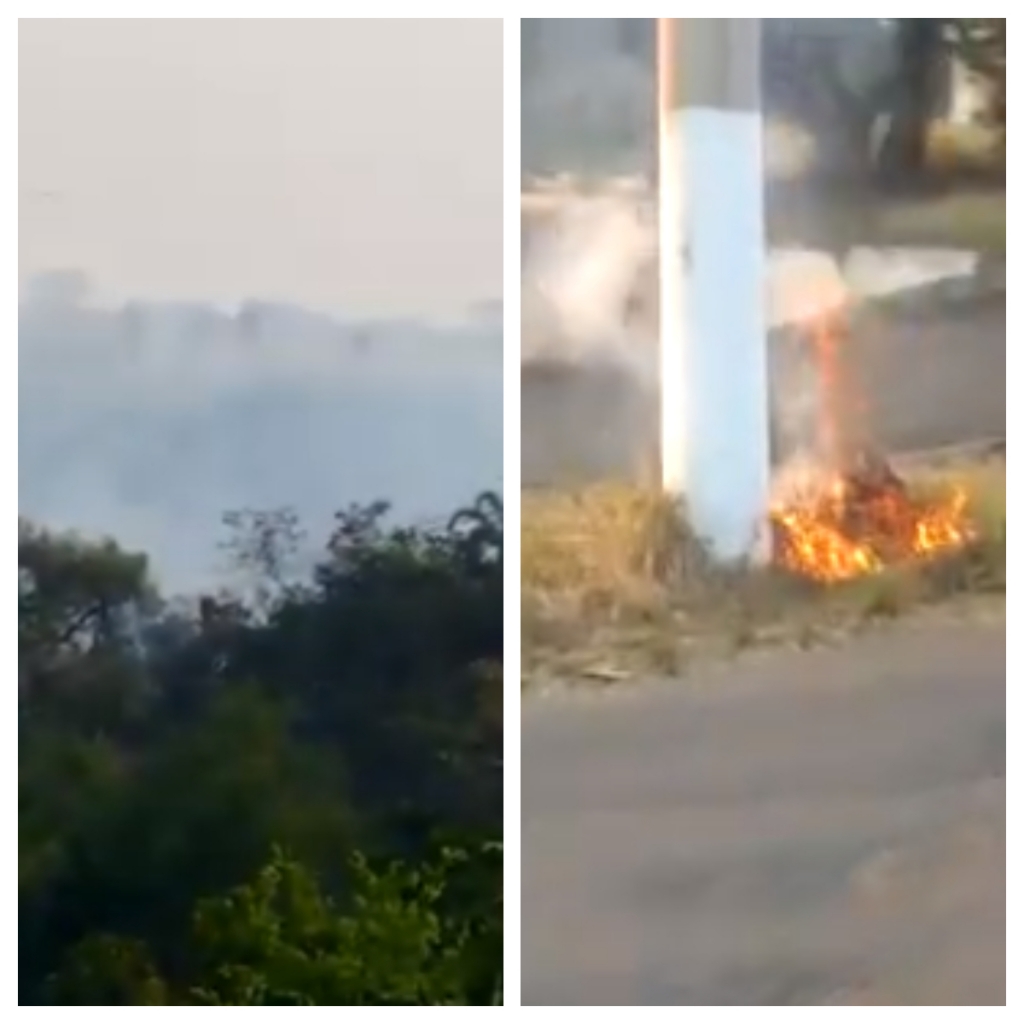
column 349, row 165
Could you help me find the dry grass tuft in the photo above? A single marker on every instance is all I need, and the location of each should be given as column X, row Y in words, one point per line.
column 608, row 541
column 614, row 584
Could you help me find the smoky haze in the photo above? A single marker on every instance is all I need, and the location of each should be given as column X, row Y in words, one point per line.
column 352, row 165
column 589, row 358
column 260, row 266
column 151, row 420
column 589, row 369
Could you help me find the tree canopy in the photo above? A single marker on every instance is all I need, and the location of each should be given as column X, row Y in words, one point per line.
column 290, row 796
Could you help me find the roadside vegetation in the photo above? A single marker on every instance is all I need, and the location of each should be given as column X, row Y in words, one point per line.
column 615, row 585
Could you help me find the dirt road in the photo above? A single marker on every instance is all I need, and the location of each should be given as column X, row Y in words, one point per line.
column 796, row 829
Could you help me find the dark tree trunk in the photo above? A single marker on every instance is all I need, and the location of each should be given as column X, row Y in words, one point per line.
column 902, row 156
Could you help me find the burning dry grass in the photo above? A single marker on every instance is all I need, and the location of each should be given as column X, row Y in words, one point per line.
column 859, row 520
column 614, row 584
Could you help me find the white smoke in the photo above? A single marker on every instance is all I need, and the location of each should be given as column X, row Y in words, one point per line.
column 587, row 281
column 589, row 343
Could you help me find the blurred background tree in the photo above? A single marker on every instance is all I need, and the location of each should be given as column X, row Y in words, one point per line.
column 981, row 44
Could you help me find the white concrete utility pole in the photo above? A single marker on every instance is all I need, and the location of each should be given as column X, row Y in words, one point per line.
column 714, row 374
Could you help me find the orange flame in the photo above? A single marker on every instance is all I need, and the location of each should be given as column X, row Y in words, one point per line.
column 855, row 521
column 842, row 534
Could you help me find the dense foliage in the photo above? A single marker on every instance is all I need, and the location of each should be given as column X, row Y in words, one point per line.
column 290, row 795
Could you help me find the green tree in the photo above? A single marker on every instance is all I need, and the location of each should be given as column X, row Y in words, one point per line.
column 106, row 970
column 167, row 749
column 78, row 606
column 280, row 940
